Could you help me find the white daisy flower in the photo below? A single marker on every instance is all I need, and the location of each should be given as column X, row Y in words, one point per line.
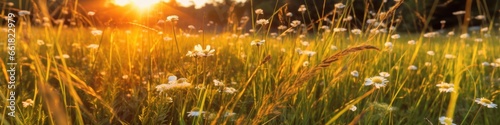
column 27, row 103
column 160, row 22
column 298, row 50
column 65, row 56
column 91, row 13
column 431, row 53
column 388, row 44
column 282, row 27
column 431, row 34
column 172, row 18
column 356, row 31
column 191, row 54
column 40, row 42
column 218, row 83
column 478, row 40
column 451, row 33
column 199, row 87
column 428, row 64
column 308, row 53
column 392, row 28
column 229, row 114
column 167, row 38
column 302, row 8
column 446, row 121
column 339, row 29
column 355, row 73
column 295, row 23
column 195, row 113
column 172, row 79
column 191, row 27
column 24, row 12
column 480, row 17
column 412, row 42
column 494, row 64
column 199, row 51
column 325, row 27
column 465, row 35
column 262, row 22
column 461, row 12
column 485, row 29
column 412, row 67
column 304, row 43
column 170, row 100
column 339, row 5
column 93, row 46
column 96, row 32
column 333, row 47
column 377, row 81
column 395, row 36
column 486, row 64
column 353, row 108
column 384, row 74
column 230, row 90
column 259, row 11
column 257, row 42
column 302, row 36
column 445, row 87
column 449, row 56
column 273, row 34
column 485, row 102
column 305, row 64
column 369, row 21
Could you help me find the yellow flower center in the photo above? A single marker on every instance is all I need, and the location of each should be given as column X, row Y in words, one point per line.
column 445, row 86
column 377, row 79
column 487, row 101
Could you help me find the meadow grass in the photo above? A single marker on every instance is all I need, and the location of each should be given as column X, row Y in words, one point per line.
column 108, row 75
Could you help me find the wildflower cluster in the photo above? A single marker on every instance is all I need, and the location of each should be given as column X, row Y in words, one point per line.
column 200, row 52
column 173, row 83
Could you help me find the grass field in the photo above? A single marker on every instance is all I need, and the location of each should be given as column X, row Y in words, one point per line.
column 330, row 75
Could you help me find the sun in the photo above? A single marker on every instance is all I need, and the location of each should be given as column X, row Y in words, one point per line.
column 141, row 4
column 121, row 2
column 144, row 3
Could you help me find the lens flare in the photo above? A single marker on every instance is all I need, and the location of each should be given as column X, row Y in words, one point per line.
column 145, row 3
column 184, row 3
column 138, row 3
column 121, row 2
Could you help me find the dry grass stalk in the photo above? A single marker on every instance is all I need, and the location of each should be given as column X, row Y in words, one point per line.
column 356, row 119
column 391, row 10
column 274, row 101
column 328, row 61
column 232, row 104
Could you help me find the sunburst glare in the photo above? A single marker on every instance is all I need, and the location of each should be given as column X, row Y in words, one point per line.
column 184, row 3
